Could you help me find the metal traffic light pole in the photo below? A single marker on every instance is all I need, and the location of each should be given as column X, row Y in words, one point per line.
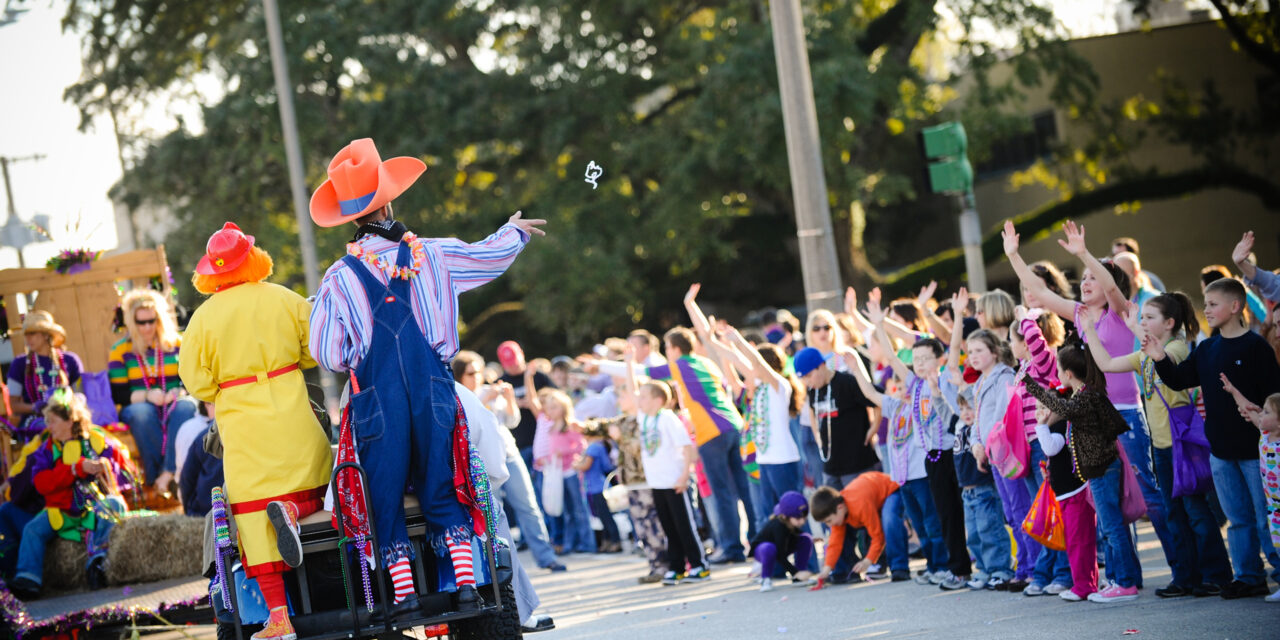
column 945, row 147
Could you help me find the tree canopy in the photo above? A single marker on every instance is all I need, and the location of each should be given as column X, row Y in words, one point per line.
column 508, row 100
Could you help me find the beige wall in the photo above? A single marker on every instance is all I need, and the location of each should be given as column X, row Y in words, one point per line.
column 1178, row 236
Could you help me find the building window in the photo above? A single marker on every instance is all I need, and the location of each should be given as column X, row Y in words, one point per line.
column 1023, row 149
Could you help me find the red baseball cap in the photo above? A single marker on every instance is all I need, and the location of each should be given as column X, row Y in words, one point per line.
column 227, row 249
column 509, row 352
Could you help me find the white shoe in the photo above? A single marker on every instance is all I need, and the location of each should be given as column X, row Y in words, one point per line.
column 1275, row 597
column 939, row 577
column 1056, row 588
column 756, row 569
column 766, row 585
column 1070, row 596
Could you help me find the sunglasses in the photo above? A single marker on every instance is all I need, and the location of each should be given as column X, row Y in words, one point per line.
column 143, row 323
column 821, row 327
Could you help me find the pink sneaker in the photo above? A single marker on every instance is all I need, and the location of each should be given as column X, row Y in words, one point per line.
column 1115, row 593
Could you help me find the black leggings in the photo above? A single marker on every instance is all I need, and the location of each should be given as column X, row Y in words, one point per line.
column 676, row 515
column 945, row 489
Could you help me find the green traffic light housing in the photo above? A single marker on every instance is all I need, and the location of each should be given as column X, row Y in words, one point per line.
column 945, row 140
column 945, row 145
column 951, row 175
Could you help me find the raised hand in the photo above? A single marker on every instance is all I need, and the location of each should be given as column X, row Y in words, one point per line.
column 1074, row 242
column 1019, row 313
column 1243, row 248
column 960, row 302
column 1226, row 384
column 874, row 313
column 926, row 294
column 529, row 226
column 1010, row 237
column 1152, row 347
column 850, row 301
column 693, row 292
column 1133, row 317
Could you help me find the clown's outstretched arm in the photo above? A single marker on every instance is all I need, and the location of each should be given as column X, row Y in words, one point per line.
column 471, row 265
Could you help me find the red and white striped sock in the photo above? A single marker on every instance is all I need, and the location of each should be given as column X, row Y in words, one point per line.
column 463, row 569
column 402, row 579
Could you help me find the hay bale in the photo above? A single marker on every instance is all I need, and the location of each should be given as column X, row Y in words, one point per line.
column 64, row 562
column 150, row 548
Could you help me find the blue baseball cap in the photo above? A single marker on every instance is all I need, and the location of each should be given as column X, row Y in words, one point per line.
column 807, row 360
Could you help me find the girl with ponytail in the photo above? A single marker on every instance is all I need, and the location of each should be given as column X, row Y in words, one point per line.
column 1094, row 424
column 1196, row 554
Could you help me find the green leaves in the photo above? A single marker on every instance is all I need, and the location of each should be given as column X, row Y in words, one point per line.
column 507, row 101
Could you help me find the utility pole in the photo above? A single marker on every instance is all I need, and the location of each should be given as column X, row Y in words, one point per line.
column 18, row 244
column 818, row 262
column 297, row 183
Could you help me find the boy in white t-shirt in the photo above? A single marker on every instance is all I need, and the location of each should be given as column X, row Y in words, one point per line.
column 668, row 455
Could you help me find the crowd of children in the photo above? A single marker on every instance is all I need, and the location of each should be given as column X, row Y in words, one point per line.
column 958, row 426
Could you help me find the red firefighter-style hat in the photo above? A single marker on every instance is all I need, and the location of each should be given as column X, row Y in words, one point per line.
column 360, row 182
column 227, row 249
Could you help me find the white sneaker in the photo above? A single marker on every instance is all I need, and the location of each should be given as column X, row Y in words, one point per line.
column 766, row 585
column 756, row 569
column 1070, row 596
column 939, row 577
column 924, row 577
column 1275, row 597
column 1056, row 588
column 1033, row 589
column 977, row 584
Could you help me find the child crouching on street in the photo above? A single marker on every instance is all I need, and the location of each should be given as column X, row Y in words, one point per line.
column 781, row 537
column 668, row 456
column 862, row 504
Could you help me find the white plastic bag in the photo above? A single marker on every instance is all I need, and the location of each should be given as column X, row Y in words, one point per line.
column 553, row 488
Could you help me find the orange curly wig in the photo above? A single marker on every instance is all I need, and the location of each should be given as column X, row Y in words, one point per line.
column 256, row 268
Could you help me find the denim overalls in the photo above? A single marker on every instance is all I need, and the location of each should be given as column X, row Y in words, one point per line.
column 402, row 419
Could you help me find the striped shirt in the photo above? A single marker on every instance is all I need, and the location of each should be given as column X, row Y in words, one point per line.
column 1042, row 366
column 341, row 320
column 123, row 367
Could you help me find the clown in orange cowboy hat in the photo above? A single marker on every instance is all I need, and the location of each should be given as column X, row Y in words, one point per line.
column 387, row 314
column 244, row 350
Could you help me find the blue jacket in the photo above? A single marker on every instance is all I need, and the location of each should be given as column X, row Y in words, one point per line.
column 200, row 474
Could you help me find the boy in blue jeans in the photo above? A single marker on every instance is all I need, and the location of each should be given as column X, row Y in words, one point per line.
column 595, row 464
column 983, row 513
column 1249, row 362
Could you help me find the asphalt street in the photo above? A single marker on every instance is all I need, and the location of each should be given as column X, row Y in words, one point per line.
column 599, row 598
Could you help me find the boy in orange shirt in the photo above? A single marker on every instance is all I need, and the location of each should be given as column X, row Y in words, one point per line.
column 863, row 503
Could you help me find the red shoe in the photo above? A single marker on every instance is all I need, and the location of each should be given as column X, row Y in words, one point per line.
column 284, row 518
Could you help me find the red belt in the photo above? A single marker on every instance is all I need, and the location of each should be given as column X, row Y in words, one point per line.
column 258, row 378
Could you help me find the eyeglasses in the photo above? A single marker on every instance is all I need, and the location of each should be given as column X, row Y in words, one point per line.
column 821, row 327
column 143, row 323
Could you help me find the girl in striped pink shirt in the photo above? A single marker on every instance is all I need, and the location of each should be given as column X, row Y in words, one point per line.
column 1034, row 336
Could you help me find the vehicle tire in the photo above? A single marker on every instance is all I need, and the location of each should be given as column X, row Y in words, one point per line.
column 227, row 630
column 504, row 625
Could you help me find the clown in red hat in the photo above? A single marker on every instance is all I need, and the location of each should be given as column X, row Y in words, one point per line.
column 244, row 350
column 387, row 314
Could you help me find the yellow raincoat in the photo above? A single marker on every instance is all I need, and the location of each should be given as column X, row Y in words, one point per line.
column 273, row 447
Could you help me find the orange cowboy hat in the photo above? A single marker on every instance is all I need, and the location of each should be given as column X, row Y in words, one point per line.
column 360, row 182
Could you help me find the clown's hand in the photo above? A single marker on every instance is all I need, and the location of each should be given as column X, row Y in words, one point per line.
column 529, row 226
